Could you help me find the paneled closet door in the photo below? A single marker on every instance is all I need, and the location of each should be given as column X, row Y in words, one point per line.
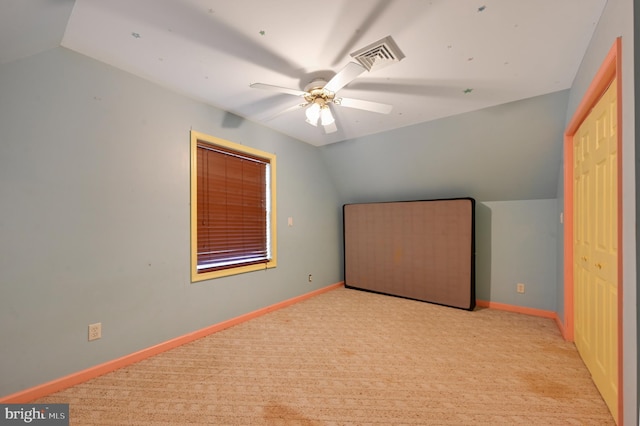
column 596, row 245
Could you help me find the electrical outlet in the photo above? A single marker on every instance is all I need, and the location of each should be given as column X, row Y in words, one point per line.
column 310, row 278
column 520, row 288
column 95, row 331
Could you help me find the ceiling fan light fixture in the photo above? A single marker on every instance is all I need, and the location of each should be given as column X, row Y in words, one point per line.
column 313, row 113
column 326, row 117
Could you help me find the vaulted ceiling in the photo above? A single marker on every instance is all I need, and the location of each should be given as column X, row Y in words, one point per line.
column 479, row 93
column 456, row 56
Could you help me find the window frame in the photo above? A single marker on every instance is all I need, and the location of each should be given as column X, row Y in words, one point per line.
column 196, row 276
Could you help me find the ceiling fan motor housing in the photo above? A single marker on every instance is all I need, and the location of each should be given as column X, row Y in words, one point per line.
column 316, row 92
column 315, row 84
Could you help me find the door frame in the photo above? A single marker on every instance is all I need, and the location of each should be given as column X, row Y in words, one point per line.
column 611, row 68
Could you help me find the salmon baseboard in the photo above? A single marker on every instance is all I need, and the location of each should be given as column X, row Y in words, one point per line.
column 524, row 310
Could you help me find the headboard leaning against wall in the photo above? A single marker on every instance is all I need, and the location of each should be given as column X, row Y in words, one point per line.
column 422, row 250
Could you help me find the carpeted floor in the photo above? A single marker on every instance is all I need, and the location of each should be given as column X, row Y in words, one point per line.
column 348, row 357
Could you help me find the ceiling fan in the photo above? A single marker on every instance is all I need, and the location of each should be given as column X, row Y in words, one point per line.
column 319, row 94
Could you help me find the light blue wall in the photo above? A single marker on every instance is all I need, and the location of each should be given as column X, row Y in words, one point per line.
column 516, row 243
column 507, row 152
column 94, row 218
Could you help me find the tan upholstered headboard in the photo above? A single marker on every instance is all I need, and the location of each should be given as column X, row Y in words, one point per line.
column 423, row 250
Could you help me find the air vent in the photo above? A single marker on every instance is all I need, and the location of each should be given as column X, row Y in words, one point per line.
column 379, row 54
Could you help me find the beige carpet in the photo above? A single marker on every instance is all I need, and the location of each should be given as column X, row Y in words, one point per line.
column 349, row 357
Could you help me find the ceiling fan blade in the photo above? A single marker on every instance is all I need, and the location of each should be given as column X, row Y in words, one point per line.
column 345, row 76
column 286, row 110
column 331, row 128
column 278, row 89
column 364, row 105
column 328, row 120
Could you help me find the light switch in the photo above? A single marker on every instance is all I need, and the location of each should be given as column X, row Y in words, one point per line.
column 290, row 221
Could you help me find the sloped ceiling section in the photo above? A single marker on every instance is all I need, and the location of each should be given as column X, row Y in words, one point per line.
column 479, row 100
column 460, row 56
column 28, row 27
column 508, row 152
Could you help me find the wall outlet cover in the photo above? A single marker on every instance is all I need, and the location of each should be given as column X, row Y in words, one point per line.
column 95, row 331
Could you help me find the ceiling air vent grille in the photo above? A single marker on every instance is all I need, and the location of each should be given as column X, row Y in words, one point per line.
column 379, row 54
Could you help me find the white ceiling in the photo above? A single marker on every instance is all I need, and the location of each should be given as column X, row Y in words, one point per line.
column 461, row 55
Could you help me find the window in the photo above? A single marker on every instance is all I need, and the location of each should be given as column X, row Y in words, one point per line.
column 232, row 208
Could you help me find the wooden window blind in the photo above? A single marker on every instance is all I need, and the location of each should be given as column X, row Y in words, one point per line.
column 232, row 208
